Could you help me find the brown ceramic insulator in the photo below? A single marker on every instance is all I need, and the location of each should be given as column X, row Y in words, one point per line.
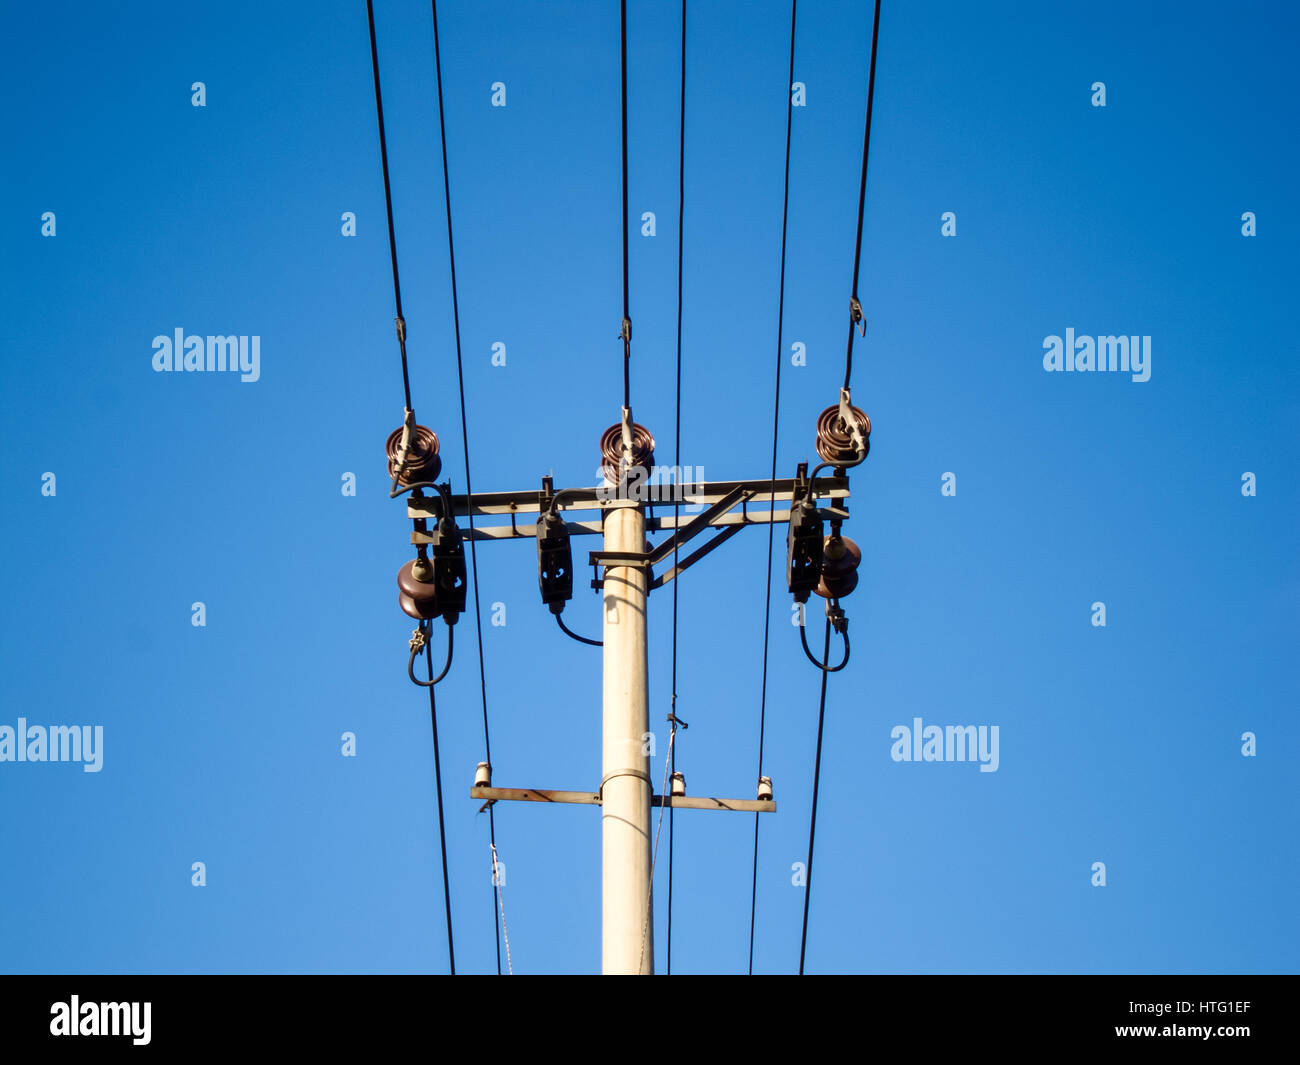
column 419, row 599
column 611, row 450
column 840, row 556
column 419, row 611
column 834, row 444
column 422, row 462
column 837, row 587
column 840, row 560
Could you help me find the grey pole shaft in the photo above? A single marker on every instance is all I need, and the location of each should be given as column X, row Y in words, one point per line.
column 626, row 789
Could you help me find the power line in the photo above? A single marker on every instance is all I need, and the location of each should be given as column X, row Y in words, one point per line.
column 388, row 203
column 627, row 316
column 855, row 307
column 442, row 831
column 464, row 427
column 855, row 316
column 817, row 774
column 406, row 389
column 776, row 420
column 677, row 450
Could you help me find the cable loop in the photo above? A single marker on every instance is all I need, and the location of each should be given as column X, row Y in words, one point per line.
column 418, row 642
column 840, row 623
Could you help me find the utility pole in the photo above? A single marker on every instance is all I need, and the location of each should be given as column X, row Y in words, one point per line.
column 625, row 785
column 623, row 570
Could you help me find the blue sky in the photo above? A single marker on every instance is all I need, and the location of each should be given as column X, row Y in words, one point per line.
column 222, row 743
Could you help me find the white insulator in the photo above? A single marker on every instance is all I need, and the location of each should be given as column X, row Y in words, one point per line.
column 679, row 784
column 765, row 788
column 483, row 776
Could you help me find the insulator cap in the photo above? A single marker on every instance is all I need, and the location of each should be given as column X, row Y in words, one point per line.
column 834, row 444
column 419, row 599
column 422, row 462
column 611, row 450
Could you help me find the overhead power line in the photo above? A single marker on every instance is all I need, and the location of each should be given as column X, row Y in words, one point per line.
column 855, row 306
column 677, row 451
column 442, row 831
column 388, row 203
column 817, row 776
column 406, row 388
column 464, row 427
column 627, row 314
column 776, row 422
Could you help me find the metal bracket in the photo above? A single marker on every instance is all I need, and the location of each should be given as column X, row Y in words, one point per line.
column 648, row 559
column 592, row 798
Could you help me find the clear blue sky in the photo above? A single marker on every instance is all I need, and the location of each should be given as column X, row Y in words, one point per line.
column 222, row 744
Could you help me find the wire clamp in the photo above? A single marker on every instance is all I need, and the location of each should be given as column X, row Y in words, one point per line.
column 855, row 316
column 851, row 423
column 418, row 639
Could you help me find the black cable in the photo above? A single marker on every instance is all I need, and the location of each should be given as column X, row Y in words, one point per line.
column 388, row 203
column 437, row 776
column 817, row 775
column 627, row 317
column 862, row 187
column 677, row 447
column 580, row 639
column 410, row 663
column 822, row 665
column 464, row 428
column 776, row 419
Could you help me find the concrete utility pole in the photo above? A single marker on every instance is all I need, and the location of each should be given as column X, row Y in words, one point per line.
column 625, row 785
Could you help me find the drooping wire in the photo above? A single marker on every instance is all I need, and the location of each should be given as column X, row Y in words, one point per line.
column 855, row 305
column 581, row 639
column 817, row 774
column 776, row 421
column 464, row 427
column 823, row 665
column 442, row 831
column 627, row 316
column 677, row 452
column 388, row 203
